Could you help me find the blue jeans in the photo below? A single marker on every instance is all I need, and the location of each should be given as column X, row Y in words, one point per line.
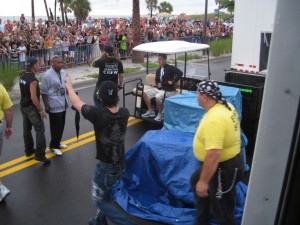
column 104, row 179
column 97, row 102
column 88, row 51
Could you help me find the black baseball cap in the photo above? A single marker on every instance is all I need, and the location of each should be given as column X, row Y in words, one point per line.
column 109, row 89
column 108, row 49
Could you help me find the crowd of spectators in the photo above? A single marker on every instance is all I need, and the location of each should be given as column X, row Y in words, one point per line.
column 82, row 43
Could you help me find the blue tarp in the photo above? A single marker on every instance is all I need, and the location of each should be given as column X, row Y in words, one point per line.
column 156, row 185
column 182, row 112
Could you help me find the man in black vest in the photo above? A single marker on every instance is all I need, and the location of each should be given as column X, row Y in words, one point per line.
column 32, row 112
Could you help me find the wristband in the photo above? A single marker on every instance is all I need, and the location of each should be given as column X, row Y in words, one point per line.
column 120, row 87
column 40, row 110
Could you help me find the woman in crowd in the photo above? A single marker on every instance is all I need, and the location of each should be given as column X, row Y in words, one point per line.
column 72, row 48
column 65, row 49
column 95, row 49
column 5, row 55
column 103, row 39
column 130, row 41
column 33, row 47
column 39, row 40
column 49, row 45
column 89, row 41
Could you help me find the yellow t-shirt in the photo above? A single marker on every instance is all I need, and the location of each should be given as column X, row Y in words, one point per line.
column 218, row 129
column 5, row 101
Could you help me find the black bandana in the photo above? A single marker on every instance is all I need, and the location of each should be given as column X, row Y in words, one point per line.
column 211, row 88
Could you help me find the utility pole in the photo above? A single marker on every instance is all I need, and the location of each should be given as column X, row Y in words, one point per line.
column 32, row 11
column 205, row 24
column 55, row 3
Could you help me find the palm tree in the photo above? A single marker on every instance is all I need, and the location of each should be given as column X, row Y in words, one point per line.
column 81, row 9
column 32, row 11
column 46, row 7
column 226, row 4
column 67, row 9
column 62, row 11
column 137, row 57
column 165, row 7
column 151, row 6
column 55, row 3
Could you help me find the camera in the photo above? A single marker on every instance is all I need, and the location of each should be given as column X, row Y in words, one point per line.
column 62, row 91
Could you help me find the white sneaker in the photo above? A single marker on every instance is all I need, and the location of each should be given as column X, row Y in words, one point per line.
column 4, row 192
column 148, row 114
column 56, row 151
column 62, row 146
column 159, row 117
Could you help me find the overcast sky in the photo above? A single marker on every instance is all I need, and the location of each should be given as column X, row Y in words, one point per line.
column 104, row 7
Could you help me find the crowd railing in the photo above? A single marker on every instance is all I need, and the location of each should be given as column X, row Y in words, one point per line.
column 74, row 56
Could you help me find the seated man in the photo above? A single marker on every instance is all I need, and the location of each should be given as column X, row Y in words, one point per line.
column 166, row 79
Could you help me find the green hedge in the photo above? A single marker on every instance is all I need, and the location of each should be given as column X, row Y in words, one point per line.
column 8, row 77
column 221, row 46
column 201, row 17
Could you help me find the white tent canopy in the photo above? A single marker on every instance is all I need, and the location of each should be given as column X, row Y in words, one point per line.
column 170, row 47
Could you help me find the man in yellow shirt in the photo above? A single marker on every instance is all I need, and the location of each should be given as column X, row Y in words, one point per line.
column 217, row 146
column 6, row 113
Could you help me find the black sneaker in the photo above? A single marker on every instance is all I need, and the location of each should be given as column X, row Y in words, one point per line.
column 29, row 153
column 42, row 159
column 92, row 221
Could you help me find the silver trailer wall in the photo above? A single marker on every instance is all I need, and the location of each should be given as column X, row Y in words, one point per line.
column 278, row 119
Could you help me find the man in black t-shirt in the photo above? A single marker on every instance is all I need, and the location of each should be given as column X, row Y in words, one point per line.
column 110, row 69
column 32, row 111
column 110, row 125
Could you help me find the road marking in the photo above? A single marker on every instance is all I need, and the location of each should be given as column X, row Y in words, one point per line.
column 24, row 162
column 22, row 158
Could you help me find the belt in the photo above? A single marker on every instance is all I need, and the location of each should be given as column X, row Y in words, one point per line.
column 235, row 161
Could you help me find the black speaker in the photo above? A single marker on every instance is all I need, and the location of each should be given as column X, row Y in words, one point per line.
column 252, row 88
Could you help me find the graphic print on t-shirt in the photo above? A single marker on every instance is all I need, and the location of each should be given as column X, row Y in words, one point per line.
column 110, row 69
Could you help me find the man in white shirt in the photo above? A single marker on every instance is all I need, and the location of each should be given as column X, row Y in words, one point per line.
column 22, row 54
column 2, row 27
column 89, row 22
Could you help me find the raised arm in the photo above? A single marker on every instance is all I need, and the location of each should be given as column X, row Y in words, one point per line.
column 74, row 99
